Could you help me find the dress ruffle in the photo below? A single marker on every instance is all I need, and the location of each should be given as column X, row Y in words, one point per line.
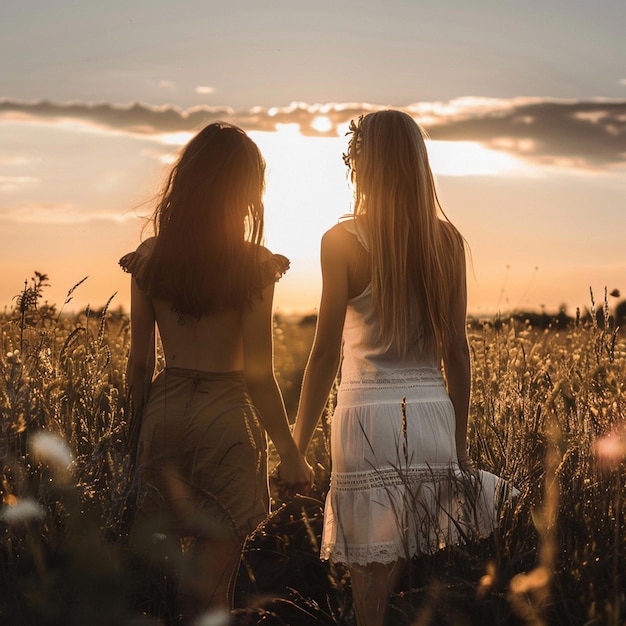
column 396, row 487
column 270, row 271
column 134, row 262
column 273, row 269
column 400, row 512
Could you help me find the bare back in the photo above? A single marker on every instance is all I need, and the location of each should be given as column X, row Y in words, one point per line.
column 223, row 341
column 212, row 343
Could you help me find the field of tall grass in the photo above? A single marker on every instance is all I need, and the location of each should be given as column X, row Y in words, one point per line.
column 547, row 414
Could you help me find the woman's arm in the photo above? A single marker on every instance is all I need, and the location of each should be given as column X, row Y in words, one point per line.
column 323, row 362
column 141, row 361
column 266, row 396
column 456, row 360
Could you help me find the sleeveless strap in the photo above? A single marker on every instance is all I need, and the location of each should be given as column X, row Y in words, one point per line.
column 354, row 226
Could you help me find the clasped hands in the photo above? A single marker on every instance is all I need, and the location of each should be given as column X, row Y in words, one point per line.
column 290, row 477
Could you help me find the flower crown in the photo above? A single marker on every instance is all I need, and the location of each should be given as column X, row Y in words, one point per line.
column 354, row 143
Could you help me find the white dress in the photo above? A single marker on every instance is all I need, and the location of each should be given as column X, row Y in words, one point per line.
column 396, row 488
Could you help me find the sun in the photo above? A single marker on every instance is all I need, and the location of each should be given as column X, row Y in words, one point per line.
column 306, row 188
column 321, row 124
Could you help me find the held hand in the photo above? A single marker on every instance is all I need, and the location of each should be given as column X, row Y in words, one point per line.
column 292, row 476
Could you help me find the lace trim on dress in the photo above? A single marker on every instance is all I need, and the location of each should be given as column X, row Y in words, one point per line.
column 435, row 509
column 426, row 376
column 428, row 509
column 394, row 476
column 384, row 553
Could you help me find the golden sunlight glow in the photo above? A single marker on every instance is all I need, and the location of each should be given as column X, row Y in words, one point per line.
column 307, row 189
column 484, row 190
column 321, row 124
column 306, row 193
column 469, row 158
column 175, row 139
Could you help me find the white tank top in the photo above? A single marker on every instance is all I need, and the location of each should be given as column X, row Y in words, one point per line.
column 368, row 361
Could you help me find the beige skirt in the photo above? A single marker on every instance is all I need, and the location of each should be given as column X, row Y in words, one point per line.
column 202, row 458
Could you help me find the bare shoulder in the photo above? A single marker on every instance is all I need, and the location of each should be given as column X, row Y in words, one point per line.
column 338, row 236
column 333, row 246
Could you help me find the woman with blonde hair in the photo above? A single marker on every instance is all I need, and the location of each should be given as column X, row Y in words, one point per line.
column 205, row 283
column 394, row 298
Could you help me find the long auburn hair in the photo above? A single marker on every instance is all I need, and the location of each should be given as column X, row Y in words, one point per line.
column 415, row 250
column 208, row 224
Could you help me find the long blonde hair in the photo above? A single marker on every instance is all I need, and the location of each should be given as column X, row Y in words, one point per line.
column 415, row 250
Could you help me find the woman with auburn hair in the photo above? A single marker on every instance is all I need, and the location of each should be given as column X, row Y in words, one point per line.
column 206, row 284
column 394, row 296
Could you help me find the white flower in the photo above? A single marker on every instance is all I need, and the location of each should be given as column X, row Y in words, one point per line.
column 216, row 617
column 612, row 448
column 51, row 449
column 22, row 511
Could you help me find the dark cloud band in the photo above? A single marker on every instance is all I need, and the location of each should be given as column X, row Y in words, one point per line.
column 587, row 134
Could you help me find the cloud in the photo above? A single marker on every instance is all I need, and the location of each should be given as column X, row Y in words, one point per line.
column 16, row 160
column 205, row 89
column 168, row 85
column 587, row 134
column 13, row 183
column 57, row 213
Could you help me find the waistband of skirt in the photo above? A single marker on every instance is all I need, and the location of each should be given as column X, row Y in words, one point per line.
column 356, row 395
column 183, row 372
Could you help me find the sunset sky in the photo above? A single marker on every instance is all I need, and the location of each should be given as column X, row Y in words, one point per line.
column 525, row 103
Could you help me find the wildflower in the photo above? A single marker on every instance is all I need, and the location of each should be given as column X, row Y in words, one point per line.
column 538, row 579
column 611, row 449
column 14, row 357
column 487, row 582
column 50, row 449
column 22, row 512
column 217, row 617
